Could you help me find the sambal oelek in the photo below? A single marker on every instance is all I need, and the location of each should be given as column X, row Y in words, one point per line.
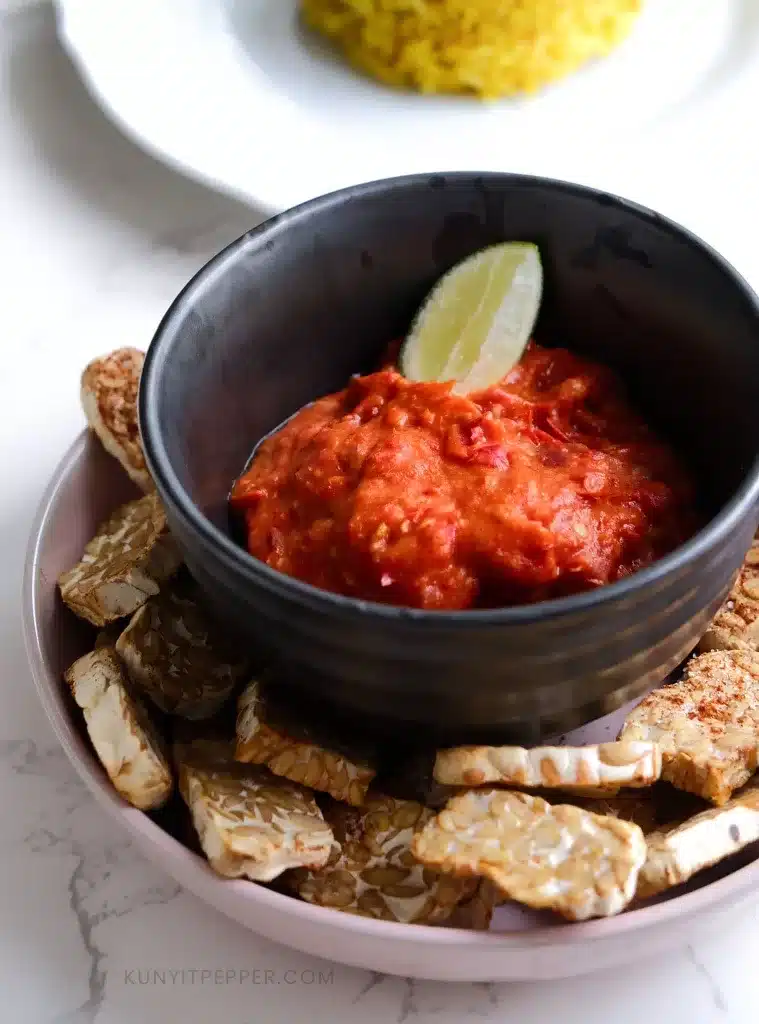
column 545, row 485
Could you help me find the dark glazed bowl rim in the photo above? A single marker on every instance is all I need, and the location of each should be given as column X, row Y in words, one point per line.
column 258, row 573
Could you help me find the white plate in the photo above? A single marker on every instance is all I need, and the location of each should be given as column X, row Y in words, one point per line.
column 236, row 94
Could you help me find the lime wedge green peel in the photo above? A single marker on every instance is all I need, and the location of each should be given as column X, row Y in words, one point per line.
column 476, row 322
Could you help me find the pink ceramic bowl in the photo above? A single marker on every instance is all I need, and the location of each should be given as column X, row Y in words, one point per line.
column 521, row 945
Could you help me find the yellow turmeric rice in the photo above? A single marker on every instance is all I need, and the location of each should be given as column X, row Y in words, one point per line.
column 488, row 48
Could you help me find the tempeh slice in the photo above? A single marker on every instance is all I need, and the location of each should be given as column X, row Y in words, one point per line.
column 123, row 565
column 179, row 657
column 252, row 824
column 126, row 741
column 707, row 724
column 109, row 391
column 675, row 855
column 561, row 857
column 736, row 625
column 267, row 736
column 372, row 871
column 597, row 768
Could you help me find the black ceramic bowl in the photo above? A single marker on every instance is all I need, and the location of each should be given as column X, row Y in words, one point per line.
column 291, row 309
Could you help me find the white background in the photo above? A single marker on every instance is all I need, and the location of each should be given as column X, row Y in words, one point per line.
column 95, row 240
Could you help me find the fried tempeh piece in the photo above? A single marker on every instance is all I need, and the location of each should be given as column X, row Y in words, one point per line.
column 602, row 767
column 206, row 741
column 476, row 913
column 109, row 392
column 736, row 625
column 265, row 737
column 123, row 565
column 179, row 657
column 250, row 823
column 561, row 857
column 650, row 809
column 372, row 872
column 108, row 636
column 207, row 751
column 675, row 855
column 125, row 740
column 635, row 806
column 707, row 724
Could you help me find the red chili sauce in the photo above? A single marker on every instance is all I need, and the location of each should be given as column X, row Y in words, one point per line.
column 545, row 485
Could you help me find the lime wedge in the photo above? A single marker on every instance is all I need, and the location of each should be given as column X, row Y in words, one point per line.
column 476, row 322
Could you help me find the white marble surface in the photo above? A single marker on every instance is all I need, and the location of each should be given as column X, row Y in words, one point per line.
column 95, row 239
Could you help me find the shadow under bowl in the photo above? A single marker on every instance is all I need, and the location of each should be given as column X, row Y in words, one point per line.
column 290, row 310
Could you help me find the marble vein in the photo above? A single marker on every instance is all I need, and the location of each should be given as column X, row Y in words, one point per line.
column 409, row 1006
column 374, row 979
column 89, row 1009
column 425, row 998
column 715, row 992
column 97, row 859
column 490, row 991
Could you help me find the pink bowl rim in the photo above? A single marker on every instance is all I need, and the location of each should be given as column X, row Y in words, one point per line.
column 199, row 877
